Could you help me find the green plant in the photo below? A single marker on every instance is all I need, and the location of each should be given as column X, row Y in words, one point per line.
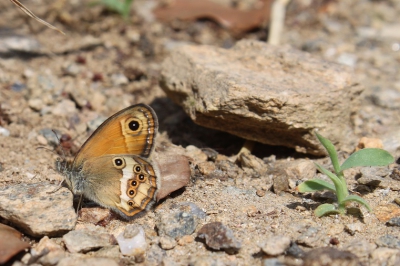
column 120, row 6
column 364, row 157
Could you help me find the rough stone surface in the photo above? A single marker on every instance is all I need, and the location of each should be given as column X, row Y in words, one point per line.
column 395, row 221
column 219, row 237
column 176, row 224
column 167, row 242
column 362, row 248
column 389, row 241
column 85, row 240
column 28, row 205
column 72, row 261
column 273, row 95
column 352, row 228
column 385, row 256
column 275, row 245
column 310, row 236
column 330, row 256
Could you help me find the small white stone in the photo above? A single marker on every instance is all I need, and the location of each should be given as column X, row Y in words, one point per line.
column 136, row 244
column 5, row 132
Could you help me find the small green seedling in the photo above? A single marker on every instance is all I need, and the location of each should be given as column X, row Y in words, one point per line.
column 120, row 6
column 364, row 157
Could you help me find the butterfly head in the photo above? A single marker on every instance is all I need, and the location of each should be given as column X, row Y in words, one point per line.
column 73, row 175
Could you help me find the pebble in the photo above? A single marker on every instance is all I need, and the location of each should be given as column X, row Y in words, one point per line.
column 196, row 154
column 119, row 79
column 275, row 245
column 257, row 165
column 206, row 168
column 36, row 104
column 219, row 237
column 51, row 137
column 18, row 86
column 176, row 224
column 212, row 155
column 192, row 208
column 112, row 252
column 395, row 221
column 4, row 132
column 42, row 140
column 71, row 69
column 386, row 212
column 252, row 211
column 183, row 241
column 353, row 228
column 272, row 262
column 389, row 241
column 369, row 143
column 155, row 255
column 63, row 108
column 48, row 251
column 309, row 237
column 281, row 183
column 132, row 241
column 261, row 192
column 43, row 213
column 167, row 242
column 386, row 98
column 397, row 201
column 84, row 240
column 295, row 251
column 229, row 168
column 329, row 256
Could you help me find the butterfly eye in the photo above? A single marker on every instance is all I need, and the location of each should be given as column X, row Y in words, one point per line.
column 133, row 125
column 119, row 162
column 138, row 169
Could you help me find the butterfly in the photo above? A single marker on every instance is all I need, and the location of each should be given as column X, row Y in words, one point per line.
column 112, row 168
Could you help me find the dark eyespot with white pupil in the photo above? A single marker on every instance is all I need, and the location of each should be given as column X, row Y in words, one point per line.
column 141, row 177
column 134, row 183
column 131, row 192
column 137, row 168
column 133, row 125
column 118, row 162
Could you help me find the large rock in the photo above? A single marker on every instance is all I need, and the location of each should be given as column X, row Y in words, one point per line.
column 273, row 95
column 37, row 209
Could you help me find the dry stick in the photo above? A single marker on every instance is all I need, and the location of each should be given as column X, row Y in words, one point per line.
column 29, row 13
column 277, row 21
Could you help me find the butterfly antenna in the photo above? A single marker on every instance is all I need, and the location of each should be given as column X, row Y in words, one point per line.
column 45, row 148
column 59, row 144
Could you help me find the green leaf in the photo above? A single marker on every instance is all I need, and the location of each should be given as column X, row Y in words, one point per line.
column 315, row 185
column 340, row 187
column 120, row 6
column 368, row 157
column 331, row 151
column 325, row 209
column 357, row 199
